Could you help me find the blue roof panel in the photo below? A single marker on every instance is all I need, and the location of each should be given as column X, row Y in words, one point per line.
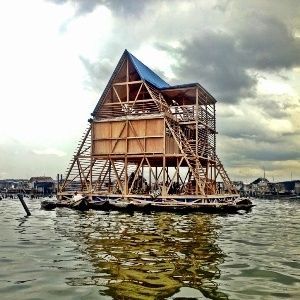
column 147, row 74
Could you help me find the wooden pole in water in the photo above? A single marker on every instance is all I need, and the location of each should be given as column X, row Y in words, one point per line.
column 57, row 178
column 20, row 196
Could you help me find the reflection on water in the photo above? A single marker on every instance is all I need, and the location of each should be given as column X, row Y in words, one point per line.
column 149, row 256
column 65, row 254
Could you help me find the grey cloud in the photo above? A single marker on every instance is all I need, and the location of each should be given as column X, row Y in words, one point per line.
column 18, row 160
column 238, row 152
column 268, row 44
column 98, row 73
column 226, row 63
column 253, row 128
column 129, row 7
column 215, row 61
column 243, row 129
column 274, row 106
column 119, row 7
column 223, row 5
column 273, row 154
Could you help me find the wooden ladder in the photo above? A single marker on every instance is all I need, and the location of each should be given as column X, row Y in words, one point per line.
column 190, row 156
column 227, row 182
column 81, row 161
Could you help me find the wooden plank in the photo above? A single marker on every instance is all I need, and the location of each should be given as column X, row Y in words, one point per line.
column 135, row 146
column 101, row 130
column 171, row 146
column 128, row 82
column 102, row 147
column 117, row 129
column 155, row 127
column 154, row 145
column 139, row 127
column 119, row 147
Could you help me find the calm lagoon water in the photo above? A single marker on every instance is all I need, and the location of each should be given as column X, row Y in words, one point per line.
column 64, row 254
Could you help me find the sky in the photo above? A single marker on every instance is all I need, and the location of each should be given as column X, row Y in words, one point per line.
column 56, row 57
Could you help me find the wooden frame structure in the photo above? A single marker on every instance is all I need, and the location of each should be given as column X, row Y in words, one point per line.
column 149, row 140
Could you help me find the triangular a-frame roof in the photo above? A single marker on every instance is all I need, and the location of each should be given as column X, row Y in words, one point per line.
column 144, row 72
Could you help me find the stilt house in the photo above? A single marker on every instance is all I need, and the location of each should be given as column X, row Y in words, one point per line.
column 149, row 140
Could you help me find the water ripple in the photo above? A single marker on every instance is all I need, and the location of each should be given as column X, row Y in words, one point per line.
column 100, row 255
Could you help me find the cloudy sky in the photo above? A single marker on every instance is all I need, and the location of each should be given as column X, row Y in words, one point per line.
column 57, row 55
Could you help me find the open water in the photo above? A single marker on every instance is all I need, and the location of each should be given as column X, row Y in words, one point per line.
column 65, row 254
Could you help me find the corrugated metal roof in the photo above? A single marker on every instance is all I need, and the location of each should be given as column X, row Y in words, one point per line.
column 181, row 86
column 147, row 74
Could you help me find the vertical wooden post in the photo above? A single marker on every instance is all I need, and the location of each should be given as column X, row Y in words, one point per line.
column 142, row 174
column 164, row 177
column 156, row 179
column 57, row 179
column 127, row 79
column 126, row 189
column 109, row 176
column 150, row 168
column 197, row 121
column 167, row 172
column 91, row 175
column 163, row 192
column 178, row 170
column 215, row 146
column 197, row 138
column 211, row 177
column 20, row 196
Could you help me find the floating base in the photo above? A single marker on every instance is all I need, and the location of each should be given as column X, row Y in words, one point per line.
column 119, row 204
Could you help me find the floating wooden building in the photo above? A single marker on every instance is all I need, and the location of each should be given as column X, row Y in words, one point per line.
column 149, row 140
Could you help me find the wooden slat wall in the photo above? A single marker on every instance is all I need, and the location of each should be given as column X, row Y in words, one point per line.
column 171, row 146
column 144, row 136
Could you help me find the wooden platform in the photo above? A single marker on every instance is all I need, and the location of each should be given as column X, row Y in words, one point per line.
column 166, row 205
